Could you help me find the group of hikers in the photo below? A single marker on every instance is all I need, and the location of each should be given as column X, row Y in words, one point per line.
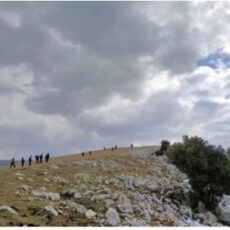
column 38, row 159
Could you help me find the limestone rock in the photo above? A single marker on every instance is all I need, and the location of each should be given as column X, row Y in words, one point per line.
column 50, row 211
column 112, row 217
column 25, row 188
column 223, row 210
column 6, row 208
column 90, row 214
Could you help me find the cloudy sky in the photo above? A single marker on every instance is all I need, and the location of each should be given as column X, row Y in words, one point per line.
column 76, row 76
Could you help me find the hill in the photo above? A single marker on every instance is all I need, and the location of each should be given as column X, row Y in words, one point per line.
column 124, row 187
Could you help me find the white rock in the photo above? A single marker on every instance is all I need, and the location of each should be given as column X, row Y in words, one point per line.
column 223, row 210
column 112, row 217
column 24, row 188
column 124, row 204
column 80, row 208
column 51, row 211
column 77, row 195
column 46, row 179
column 8, row 209
column 210, row 218
column 90, row 214
column 53, row 196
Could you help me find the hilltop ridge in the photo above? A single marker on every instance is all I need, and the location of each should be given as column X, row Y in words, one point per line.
column 124, row 187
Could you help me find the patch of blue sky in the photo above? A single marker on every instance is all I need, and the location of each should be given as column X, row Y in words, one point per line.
column 215, row 60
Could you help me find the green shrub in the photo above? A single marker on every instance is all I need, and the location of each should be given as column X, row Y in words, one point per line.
column 206, row 165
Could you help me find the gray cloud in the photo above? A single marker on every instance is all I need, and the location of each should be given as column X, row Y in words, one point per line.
column 81, row 75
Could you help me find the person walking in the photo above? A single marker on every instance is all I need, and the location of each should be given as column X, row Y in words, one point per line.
column 30, row 160
column 12, row 163
column 41, row 158
column 37, row 159
column 22, row 162
column 47, row 157
column 83, row 154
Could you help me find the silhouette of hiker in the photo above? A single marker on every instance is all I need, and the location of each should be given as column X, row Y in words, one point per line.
column 37, row 159
column 90, row 153
column 22, row 162
column 41, row 158
column 83, row 154
column 112, row 148
column 104, row 148
column 131, row 146
column 30, row 160
column 47, row 157
column 12, row 163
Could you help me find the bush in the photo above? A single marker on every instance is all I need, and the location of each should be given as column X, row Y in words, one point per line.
column 206, row 165
column 164, row 145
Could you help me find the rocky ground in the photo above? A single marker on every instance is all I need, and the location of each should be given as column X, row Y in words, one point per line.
column 126, row 187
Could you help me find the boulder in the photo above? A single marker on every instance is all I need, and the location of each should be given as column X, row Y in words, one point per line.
column 50, row 211
column 80, row 208
column 112, row 217
column 223, row 210
column 124, row 204
column 5, row 208
column 53, row 196
column 90, row 214
column 84, row 177
column 69, row 193
column 210, row 218
column 77, row 195
column 25, row 188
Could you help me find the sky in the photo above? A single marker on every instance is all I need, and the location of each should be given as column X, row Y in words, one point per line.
column 77, row 76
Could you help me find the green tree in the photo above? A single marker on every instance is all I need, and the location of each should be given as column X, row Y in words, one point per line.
column 206, row 165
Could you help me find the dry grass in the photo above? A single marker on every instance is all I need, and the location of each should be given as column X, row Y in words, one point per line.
column 25, row 203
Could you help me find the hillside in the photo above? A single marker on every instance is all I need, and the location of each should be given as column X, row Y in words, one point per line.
column 124, row 187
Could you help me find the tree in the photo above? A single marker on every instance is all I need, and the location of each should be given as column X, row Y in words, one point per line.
column 206, row 165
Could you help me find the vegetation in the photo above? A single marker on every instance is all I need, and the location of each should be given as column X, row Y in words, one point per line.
column 164, row 146
column 207, row 167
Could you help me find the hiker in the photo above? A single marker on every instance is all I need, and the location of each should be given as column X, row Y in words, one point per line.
column 83, row 154
column 112, row 148
column 41, row 158
column 22, row 162
column 115, row 147
column 37, row 159
column 131, row 146
column 30, row 160
column 12, row 163
column 47, row 157
column 90, row 152
column 104, row 148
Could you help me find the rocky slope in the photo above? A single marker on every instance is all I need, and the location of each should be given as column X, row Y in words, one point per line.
column 126, row 187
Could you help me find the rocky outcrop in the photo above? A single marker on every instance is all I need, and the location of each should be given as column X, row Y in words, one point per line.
column 113, row 217
column 223, row 210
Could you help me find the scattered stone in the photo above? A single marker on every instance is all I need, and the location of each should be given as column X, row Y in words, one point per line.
column 124, row 204
column 46, row 180
column 53, row 196
column 77, row 195
column 210, row 218
column 60, row 180
column 84, row 177
column 25, row 188
column 80, row 208
column 69, row 193
column 6, row 208
column 90, row 214
column 223, row 210
column 112, row 217
column 50, row 211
